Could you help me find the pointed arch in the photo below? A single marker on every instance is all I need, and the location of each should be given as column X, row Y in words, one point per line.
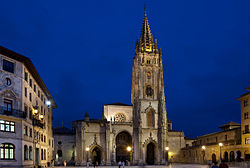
column 150, row 115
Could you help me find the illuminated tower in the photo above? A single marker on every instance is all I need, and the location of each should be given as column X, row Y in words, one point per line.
column 148, row 99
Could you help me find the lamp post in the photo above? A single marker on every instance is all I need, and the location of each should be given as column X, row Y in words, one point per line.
column 220, row 144
column 87, row 150
column 166, row 149
column 129, row 149
column 203, row 152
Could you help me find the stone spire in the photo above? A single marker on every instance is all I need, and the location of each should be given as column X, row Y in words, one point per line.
column 146, row 39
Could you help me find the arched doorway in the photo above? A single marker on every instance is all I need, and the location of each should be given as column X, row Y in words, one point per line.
column 150, row 153
column 123, row 140
column 226, row 156
column 213, row 158
column 238, row 156
column 232, row 156
column 96, row 156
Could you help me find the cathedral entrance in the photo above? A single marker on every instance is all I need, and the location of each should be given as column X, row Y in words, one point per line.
column 96, row 156
column 123, row 140
column 150, row 153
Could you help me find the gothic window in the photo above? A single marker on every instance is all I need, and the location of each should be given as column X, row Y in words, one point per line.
column 120, row 117
column 148, row 61
column 8, row 81
column 7, row 151
column 59, row 152
column 149, row 91
column 150, row 117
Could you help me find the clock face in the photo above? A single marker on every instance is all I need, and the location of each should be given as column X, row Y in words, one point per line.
column 149, row 91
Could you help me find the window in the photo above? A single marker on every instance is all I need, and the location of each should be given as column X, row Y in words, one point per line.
column 246, row 128
column 148, row 61
column 225, row 137
column 7, row 151
column 25, row 152
column 31, row 83
column 39, row 93
column 26, row 76
column 30, row 97
column 247, row 140
column 245, row 103
column 30, row 153
column 8, row 66
column 30, row 132
column 246, row 115
column 7, row 106
column 25, row 130
column 8, row 81
column 42, row 97
column 34, row 88
column 25, row 92
column 30, row 113
column 41, row 154
column 216, row 139
column 44, row 139
column 7, row 126
column 59, row 142
column 44, row 152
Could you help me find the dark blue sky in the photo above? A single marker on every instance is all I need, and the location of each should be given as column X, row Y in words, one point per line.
column 83, row 50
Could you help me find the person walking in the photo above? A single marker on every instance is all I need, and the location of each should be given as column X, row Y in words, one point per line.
column 223, row 164
column 215, row 165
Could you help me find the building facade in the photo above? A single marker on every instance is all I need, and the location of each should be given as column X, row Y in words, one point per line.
column 26, row 137
column 139, row 133
column 230, row 144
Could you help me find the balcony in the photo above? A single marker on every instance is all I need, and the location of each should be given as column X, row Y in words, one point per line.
column 13, row 113
column 38, row 123
column 246, row 132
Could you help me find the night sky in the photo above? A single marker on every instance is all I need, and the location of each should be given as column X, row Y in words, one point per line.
column 83, row 51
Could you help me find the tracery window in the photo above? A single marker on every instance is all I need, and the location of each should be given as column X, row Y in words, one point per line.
column 7, row 151
column 120, row 117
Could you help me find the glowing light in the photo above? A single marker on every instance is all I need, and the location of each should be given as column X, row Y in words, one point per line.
column 167, row 148
column 170, row 154
column 87, row 149
column 48, row 103
column 203, row 147
column 41, row 117
column 35, row 111
column 129, row 148
column 220, row 144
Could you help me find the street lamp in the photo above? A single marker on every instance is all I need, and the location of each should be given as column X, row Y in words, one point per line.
column 87, row 150
column 167, row 149
column 129, row 149
column 220, row 144
column 203, row 151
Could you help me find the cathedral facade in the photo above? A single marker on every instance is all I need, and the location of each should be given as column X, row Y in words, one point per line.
column 139, row 133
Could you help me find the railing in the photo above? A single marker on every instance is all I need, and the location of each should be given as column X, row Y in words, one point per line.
column 13, row 112
column 38, row 123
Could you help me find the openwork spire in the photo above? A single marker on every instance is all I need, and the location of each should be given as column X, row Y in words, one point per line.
column 146, row 42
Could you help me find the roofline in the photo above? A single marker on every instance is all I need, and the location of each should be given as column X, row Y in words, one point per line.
column 219, row 132
column 29, row 65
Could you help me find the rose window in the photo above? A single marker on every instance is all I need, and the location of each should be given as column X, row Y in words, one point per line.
column 120, row 117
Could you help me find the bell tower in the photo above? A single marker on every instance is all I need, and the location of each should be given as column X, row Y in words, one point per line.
column 148, row 99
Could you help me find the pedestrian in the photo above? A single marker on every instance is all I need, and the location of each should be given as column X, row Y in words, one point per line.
column 223, row 164
column 65, row 163
column 215, row 165
column 123, row 164
column 119, row 164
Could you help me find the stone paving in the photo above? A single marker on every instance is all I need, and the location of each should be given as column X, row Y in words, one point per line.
column 155, row 166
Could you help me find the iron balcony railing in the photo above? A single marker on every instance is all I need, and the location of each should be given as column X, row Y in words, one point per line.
column 13, row 112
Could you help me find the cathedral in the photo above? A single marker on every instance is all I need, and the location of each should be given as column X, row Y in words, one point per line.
column 138, row 134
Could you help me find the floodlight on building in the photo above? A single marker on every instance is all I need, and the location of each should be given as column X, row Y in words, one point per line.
column 129, row 148
column 48, row 103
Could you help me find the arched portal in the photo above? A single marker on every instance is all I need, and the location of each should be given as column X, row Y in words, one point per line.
column 123, row 140
column 238, row 156
column 213, row 158
column 96, row 156
column 150, row 153
column 226, row 156
column 232, row 156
